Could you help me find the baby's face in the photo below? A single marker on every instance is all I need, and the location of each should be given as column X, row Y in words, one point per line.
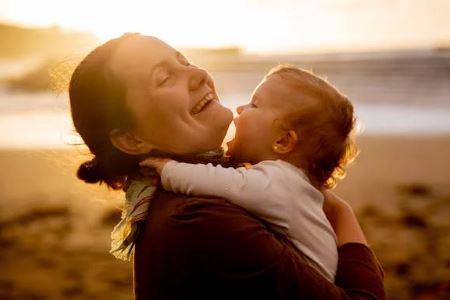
column 255, row 128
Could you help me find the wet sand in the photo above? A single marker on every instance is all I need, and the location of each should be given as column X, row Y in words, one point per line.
column 54, row 229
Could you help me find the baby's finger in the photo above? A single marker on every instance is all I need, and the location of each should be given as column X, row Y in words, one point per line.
column 247, row 165
column 149, row 162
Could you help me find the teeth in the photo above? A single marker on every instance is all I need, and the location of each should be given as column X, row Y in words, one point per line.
column 201, row 104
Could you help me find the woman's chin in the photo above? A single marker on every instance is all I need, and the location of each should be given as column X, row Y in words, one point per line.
column 215, row 116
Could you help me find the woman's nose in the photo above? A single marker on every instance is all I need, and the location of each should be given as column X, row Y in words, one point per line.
column 197, row 77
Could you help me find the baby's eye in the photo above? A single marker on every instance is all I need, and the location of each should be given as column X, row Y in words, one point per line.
column 165, row 80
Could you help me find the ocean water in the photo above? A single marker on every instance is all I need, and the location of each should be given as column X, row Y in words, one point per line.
column 393, row 94
column 31, row 120
column 388, row 119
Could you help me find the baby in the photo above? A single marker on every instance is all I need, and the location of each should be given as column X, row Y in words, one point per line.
column 296, row 133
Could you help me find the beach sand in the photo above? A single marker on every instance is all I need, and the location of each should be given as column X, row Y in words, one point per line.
column 54, row 229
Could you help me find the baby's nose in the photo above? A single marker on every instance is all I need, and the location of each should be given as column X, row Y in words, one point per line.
column 239, row 109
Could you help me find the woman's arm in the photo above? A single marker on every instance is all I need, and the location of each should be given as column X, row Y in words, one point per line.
column 254, row 254
column 357, row 265
column 343, row 220
column 359, row 274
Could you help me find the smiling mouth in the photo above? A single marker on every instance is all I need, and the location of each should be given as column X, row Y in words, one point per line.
column 203, row 103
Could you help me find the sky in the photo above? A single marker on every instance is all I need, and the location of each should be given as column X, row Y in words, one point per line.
column 256, row 26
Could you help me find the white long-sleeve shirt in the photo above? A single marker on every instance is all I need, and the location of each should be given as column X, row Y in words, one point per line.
column 274, row 190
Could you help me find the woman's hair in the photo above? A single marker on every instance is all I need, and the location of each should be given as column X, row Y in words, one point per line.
column 97, row 102
column 324, row 121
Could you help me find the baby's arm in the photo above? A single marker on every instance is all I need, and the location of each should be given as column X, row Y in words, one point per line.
column 255, row 189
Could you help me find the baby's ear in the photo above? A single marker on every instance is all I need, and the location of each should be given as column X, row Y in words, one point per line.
column 285, row 142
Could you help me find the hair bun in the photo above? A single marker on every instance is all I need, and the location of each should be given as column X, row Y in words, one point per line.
column 89, row 171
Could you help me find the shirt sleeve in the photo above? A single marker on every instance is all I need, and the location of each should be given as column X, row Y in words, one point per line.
column 359, row 276
column 258, row 189
column 254, row 254
column 359, row 272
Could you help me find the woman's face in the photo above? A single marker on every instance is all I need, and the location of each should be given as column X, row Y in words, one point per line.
column 174, row 104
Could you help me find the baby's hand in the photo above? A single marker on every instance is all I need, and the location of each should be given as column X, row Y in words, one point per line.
column 247, row 165
column 155, row 162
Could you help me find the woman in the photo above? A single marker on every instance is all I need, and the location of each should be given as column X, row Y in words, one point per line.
column 136, row 95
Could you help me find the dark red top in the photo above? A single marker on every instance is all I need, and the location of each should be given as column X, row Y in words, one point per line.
column 208, row 248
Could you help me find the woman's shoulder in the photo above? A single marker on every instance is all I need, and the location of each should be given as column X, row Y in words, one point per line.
column 208, row 212
column 180, row 203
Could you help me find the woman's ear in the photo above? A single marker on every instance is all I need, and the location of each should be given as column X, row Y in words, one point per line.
column 128, row 142
column 286, row 142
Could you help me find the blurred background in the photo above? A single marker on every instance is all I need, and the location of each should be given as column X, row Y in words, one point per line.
column 391, row 57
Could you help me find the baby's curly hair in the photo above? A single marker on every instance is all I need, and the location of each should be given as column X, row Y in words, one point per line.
column 324, row 121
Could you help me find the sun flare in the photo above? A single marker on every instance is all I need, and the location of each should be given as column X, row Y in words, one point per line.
column 257, row 26
column 248, row 24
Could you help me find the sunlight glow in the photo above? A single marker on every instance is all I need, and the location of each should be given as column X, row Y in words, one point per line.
column 260, row 26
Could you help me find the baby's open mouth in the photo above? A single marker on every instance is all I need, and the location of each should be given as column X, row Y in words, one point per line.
column 203, row 103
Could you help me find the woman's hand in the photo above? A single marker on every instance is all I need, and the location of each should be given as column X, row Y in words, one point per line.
column 155, row 162
column 343, row 220
column 333, row 206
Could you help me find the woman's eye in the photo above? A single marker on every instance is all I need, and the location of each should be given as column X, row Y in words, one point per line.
column 253, row 105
